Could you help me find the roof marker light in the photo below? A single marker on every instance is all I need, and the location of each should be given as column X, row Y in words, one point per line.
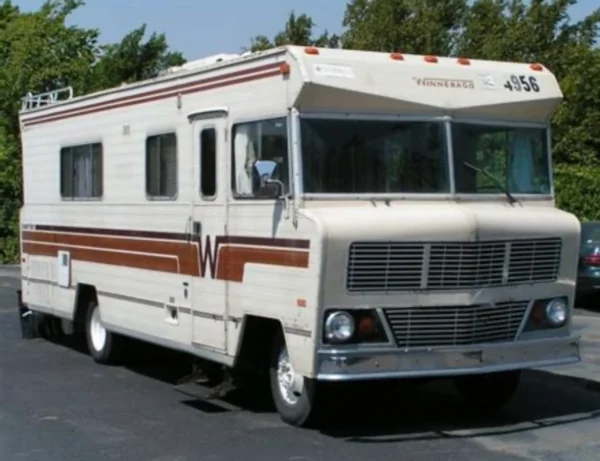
column 311, row 50
column 537, row 67
column 432, row 59
column 464, row 61
column 397, row 56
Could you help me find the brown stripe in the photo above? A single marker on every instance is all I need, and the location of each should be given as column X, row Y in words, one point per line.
column 185, row 253
column 232, row 260
column 193, row 258
column 149, row 262
column 245, row 75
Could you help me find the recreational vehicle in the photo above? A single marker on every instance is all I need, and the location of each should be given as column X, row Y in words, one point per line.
column 319, row 215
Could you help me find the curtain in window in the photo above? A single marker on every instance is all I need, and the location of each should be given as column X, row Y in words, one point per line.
column 82, row 167
column 245, row 155
column 96, row 170
column 521, row 162
column 169, row 165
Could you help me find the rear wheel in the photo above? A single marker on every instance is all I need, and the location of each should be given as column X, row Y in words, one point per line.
column 488, row 393
column 105, row 347
column 294, row 395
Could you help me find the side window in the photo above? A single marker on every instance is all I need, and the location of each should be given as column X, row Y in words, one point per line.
column 208, row 162
column 262, row 140
column 81, row 171
column 161, row 166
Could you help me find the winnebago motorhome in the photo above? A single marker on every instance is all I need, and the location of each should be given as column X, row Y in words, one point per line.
column 319, row 214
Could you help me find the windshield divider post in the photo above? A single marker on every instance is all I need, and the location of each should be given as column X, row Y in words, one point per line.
column 549, row 159
column 450, row 154
column 296, row 144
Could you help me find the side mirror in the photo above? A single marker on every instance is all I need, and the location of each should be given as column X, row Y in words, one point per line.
column 268, row 186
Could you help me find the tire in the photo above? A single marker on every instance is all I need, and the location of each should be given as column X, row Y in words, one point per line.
column 296, row 410
column 488, row 393
column 104, row 347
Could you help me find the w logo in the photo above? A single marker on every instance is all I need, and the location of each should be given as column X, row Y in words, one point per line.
column 207, row 255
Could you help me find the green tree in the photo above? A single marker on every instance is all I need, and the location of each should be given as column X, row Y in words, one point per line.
column 541, row 31
column 38, row 53
column 298, row 30
column 410, row 26
column 132, row 60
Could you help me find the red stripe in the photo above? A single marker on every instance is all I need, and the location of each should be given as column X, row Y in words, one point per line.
column 219, row 81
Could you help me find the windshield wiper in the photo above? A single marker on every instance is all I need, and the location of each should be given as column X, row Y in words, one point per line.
column 511, row 199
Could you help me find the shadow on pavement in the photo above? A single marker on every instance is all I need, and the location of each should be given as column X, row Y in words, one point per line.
column 434, row 411
column 387, row 412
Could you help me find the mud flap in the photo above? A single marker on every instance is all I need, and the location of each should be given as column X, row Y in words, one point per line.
column 27, row 319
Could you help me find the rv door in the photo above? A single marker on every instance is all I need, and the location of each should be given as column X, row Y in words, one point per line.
column 209, row 227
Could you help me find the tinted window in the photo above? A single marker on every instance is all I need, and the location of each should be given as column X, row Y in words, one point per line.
column 208, row 162
column 364, row 157
column 517, row 157
column 161, row 166
column 81, row 171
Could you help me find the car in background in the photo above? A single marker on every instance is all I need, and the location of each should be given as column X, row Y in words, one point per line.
column 588, row 277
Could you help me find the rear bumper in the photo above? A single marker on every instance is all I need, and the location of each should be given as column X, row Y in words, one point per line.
column 437, row 362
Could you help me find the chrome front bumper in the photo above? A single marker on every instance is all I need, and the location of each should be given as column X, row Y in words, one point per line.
column 342, row 365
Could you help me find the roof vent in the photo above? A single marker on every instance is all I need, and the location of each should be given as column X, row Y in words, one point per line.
column 200, row 63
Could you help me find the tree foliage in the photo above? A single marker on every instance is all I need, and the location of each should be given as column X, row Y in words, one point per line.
column 298, row 30
column 424, row 26
column 39, row 52
column 132, row 60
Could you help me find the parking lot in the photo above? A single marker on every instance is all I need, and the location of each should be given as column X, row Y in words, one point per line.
column 57, row 404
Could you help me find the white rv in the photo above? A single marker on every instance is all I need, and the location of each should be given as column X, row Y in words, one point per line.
column 319, row 214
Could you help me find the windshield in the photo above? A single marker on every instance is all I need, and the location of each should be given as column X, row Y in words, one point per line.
column 367, row 157
column 515, row 159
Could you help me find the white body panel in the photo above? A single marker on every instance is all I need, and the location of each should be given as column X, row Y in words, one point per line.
column 269, row 262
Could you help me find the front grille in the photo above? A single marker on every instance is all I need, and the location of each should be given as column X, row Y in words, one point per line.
column 385, row 266
column 402, row 266
column 534, row 261
column 455, row 325
column 465, row 265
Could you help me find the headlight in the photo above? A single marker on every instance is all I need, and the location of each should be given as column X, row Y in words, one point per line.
column 339, row 326
column 556, row 312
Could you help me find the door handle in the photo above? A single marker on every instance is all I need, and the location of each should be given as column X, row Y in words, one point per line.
column 197, row 228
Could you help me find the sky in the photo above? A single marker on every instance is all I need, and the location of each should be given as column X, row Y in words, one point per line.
column 199, row 28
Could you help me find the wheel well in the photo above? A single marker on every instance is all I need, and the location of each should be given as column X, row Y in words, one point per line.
column 84, row 295
column 255, row 344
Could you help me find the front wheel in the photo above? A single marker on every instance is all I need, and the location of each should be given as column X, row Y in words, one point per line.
column 105, row 347
column 488, row 393
column 294, row 395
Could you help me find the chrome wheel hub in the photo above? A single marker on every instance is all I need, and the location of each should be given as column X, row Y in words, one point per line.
column 286, row 378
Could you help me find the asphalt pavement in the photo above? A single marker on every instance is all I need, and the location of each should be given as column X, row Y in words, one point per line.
column 56, row 404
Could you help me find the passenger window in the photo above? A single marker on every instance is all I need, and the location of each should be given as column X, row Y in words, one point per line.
column 208, row 162
column 161, row 166
column 262, row 140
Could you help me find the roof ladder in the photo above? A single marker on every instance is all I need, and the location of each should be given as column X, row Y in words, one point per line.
column 33, row 101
